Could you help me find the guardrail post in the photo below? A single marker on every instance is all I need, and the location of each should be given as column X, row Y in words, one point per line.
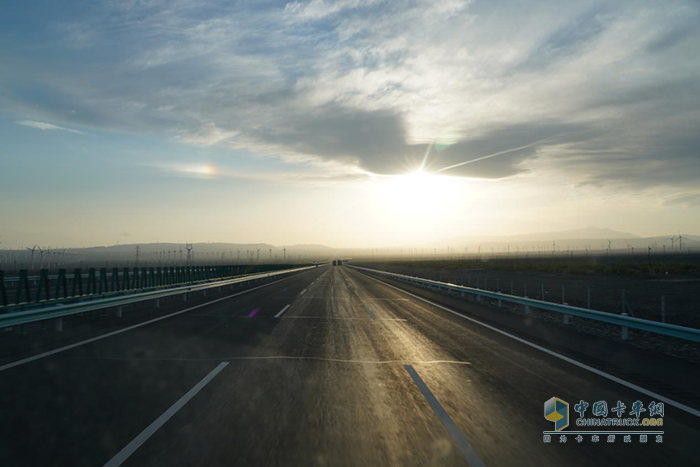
column 588, row 298
column 59, row 324
column 563, row 295
column 23, row 286
column 92, row 282
column 119, row 312
column 115, row 279
column 625, row 331
column 567, row 318
column 103, row 280
column 157, row 302
column 3, row 292
column 77, row 289
column 527, row 307
column 663, row 309
column 184, row 297
column 43, row 285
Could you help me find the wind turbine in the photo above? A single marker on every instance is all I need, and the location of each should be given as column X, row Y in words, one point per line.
column 41, row 258
column 680, row 241
column 32, row 249
column 189, row 247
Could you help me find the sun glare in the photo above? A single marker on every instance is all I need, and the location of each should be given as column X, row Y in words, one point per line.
column 418, row 194
column 198, row 170
column 205, row 170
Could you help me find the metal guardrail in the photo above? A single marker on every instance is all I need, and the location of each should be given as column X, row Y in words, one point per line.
column 19, row 318
column 623, row 321
column 84, row 275
column 31, row 291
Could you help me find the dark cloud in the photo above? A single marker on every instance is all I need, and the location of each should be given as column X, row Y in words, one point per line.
column 375, row 138
column 499, row 152
column 376, row 141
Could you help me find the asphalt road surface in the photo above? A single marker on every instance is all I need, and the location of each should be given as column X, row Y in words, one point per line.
column 327, row 367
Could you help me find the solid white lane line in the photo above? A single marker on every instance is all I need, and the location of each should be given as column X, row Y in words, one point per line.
column 282, row 311
column 457, row 437
column 302, row 292
column 129, row 328
column 136, row 443
column 598, row 372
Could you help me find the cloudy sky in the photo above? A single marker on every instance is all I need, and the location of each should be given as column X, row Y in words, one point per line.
column 349, row 123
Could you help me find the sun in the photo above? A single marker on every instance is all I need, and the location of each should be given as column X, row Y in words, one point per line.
column 417, row 194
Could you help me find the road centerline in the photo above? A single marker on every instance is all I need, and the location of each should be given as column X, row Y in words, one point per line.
column 142, row 437
column 457, row 437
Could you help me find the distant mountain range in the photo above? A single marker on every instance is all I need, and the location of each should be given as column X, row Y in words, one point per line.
column 588, row 233
column 593, row 238
column 212, row 251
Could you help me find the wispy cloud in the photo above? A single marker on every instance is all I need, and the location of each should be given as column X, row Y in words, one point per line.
column 45, row 126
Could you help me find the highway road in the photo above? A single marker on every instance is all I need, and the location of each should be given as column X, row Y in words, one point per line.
column 327, row 367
